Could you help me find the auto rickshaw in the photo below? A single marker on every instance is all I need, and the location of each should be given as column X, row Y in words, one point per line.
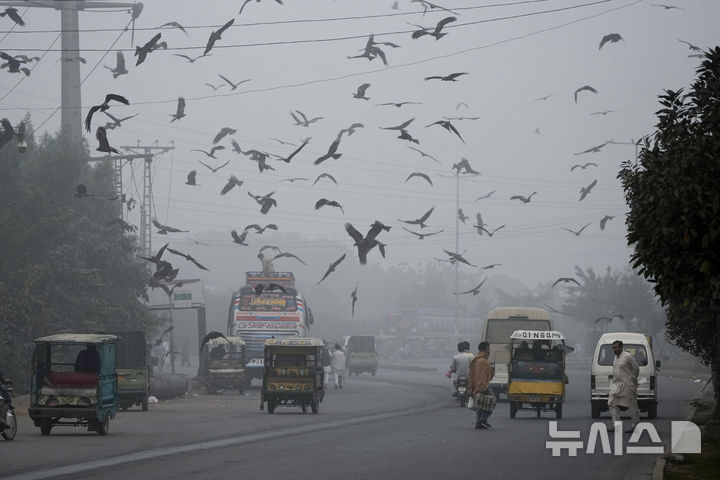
column 293, row 374
column 223, row 364
column 74, row 382
column 132, row 369
column 536, row 372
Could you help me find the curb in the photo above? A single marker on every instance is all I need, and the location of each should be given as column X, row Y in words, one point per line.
column 659, row 469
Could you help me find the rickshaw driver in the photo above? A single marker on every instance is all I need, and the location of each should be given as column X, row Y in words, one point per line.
column 6, row 401
column 88, row 360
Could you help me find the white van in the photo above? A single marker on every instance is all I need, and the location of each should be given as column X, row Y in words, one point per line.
column 601, row 371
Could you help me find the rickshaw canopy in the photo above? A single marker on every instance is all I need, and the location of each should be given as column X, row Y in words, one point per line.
column 78, row 338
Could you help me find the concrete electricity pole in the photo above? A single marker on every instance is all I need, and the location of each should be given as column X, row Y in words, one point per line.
column 70, row 97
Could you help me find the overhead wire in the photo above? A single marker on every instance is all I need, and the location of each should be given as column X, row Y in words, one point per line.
column 32, row 68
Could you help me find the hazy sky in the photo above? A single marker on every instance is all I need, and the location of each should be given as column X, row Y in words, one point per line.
column 514, row 52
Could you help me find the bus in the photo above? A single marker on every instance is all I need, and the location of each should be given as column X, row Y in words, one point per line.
column 278, row 313
column 500, row 325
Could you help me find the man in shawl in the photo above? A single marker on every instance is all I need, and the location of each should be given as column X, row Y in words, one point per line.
column 623, row 389
column 479, row 382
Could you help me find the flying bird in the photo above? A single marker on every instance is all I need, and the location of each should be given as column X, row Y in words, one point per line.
column 692, row 47
column 259, row 230
column 325, row 175
column 353, row 295
column 164, row 229
column 487, row 195
column 430, row 6
column 543, row 98
column 586, row 190
column 213, row 86
column 13, row 14
column 584, row 88
column 461, row 216
column 304, row 121
column 119, row 65
column 272, row 247
column 103, row 145
column 351, row 129
column 566, row 280
column 578, row 232
column 397, row 104
column 421, row 236
column 603, row 113
column 447, row 78
column 266, row 202
column 231, row 183
column 232, row 85
column 297, row 150
column 190, row 59
column 420, row 221
column 666, row 7
column 610, row 37
column 210, row 154
column 216, row 35
column 491, row 266
column 288, row 255
column 188, row 258
column 457, row 257
column 369, row 241
column 361, row 92
column 331, row 153
column 239, row 239
column 191, row 178
column 523, row 199
column 604, row 220
column 102, row 107
column 491, row 233
column 594, row 149
column 332, row 268
column 222, row 133
column 480, row 224
column 13, row 64
column 116, row 122
column 150, row 46
column 294, row 179
column 400, row 127
column 609, row 319
column 158, row 255
column 176, row 25
column 423, row 154
column 437, row 32
column 464, row 165
column 447, row 126
column 330, row 203
column 212, row 169
column 421, row 175
column 474, row 291
column 180, row 112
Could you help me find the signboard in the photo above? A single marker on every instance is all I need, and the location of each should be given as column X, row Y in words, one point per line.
column 537, row 335
column 182, row 299
column 189, row 295
column 267, row 303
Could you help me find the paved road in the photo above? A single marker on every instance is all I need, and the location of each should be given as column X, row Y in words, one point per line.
column 396, row 425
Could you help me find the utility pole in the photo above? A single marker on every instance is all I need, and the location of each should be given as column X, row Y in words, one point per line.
column 457, row 241
column 70, row 96
column 146, row 205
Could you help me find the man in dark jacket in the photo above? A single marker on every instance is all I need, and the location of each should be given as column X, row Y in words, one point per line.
column 6, row 400
column 479, row 383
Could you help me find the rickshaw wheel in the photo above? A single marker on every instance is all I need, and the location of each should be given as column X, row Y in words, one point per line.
column 10, row 432
column 558, row 411
column 271, row 406
column 513, row 409
column 104, row 426
column 45, row 426
column 538, row 413
column 144, row 404
column 315, row 406
column 304, row 408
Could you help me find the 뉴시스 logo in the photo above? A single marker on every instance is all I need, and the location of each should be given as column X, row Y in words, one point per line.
column 684, row 438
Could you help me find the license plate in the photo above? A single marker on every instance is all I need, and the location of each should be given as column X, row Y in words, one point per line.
column 534, row 398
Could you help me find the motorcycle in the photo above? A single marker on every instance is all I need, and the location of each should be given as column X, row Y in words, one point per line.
column 462, row 390
column 9, row 429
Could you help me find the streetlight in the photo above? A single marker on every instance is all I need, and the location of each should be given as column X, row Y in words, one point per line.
column 169, row 292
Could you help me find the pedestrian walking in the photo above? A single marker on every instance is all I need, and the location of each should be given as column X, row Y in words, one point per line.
column 623, row 389
column 479, row 384
column 338, row 366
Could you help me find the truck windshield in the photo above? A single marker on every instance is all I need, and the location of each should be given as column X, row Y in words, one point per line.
column 606, row 356
column 499, row 330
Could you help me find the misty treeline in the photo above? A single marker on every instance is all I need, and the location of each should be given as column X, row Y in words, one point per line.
column 64, row 267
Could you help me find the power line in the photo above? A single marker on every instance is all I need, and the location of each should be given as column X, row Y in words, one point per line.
column 32, row 68
column 347, row 37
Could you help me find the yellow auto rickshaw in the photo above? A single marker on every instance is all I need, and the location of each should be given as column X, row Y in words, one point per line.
column 293, row 374
column 536, row 372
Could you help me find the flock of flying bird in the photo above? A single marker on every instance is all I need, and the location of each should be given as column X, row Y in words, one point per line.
column 166, row 272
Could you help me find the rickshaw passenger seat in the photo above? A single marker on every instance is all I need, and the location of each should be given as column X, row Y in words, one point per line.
column 524, row 354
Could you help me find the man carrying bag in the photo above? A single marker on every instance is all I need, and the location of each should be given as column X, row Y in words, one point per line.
column 479, row 385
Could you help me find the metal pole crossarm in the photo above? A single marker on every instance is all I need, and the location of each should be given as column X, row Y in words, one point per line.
column 132, row 156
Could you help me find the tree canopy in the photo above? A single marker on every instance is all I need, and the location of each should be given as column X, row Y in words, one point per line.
column 673, row 194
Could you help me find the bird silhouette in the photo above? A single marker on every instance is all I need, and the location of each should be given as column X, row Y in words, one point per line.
column 480, row 224
column 576, row 232
column 474, row 291
column 332, row 268
column 216, row 35
column 400, row 127
column 491, row 266
column 353, row 295
column 397, row 104
column 421, row 175
column 239, row 239
column 212, row 151
column 116, row 122
column 233, row 85
column 272, row 247
column 102, row 107
column 191, row 59
column 491, row 233
column 266, row 202
column 175, row 25
column 666, row 7
column 188, row 258
column 150, row 46
column 369, row 241
column 222, row 133
column 213, row 86
column 430, row 6
column 566, row 280
column 584, row 88
column 331, row 153
column 603, row 113
column 423, row 154
column 13, row 14
column 421, row 236
column 420, row 221
column 584, row 166
column 604, row 220
column 461, row 216
column 543, row 98
column 103, row 145
column 158, row 255
column 586, row 190
column 192, row 178
column 13, row 64
column 447, row 126
column 361, row 92
column 594, row 149
column 282, row 142
column 458, row 257
column 487, row 195
column 119, row 65
column 259, row 230
column 213, row 169
column 294, row 179
column 325, row 175
column 437, row 32
column 447, row 78
column 609, row 319
column 231, row 183
column 165, row 229
column 295, row 152
column 330, row 203
column 351, row 129
column 523, row 199
column 610, row 37
column 288, row 255
column 692, row 47
column 302, row 120
column 180, row 112
column 464, row 165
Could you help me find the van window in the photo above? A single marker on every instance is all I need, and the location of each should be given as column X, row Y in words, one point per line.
column 500, row 330
column 606, row 355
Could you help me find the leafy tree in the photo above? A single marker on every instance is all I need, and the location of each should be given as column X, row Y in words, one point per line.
column 64, row 266
column 674, row 221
